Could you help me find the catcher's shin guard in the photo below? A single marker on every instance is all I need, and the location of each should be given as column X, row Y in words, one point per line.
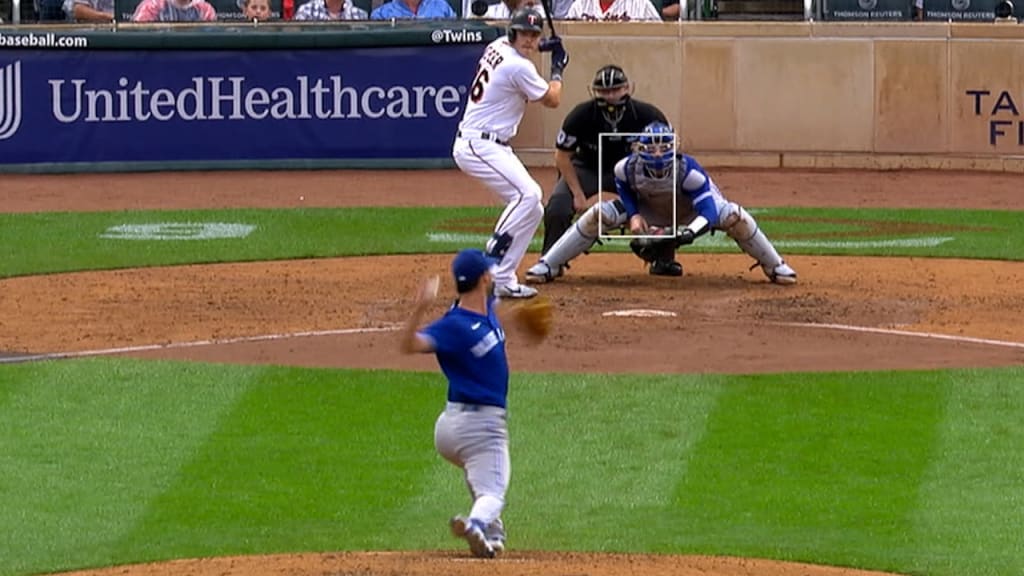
column 741, row 227
column 582, row 235
column 570, row 245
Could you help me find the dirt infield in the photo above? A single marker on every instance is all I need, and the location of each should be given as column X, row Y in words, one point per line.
column 845, row 314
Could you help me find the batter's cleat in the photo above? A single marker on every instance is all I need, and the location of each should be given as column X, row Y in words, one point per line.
column 666, row 268
column 781, row 274
column 520, row 291
column 541, row 273
column 472, row 531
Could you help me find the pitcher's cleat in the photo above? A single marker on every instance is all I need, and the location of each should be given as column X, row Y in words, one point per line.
column 473, row 533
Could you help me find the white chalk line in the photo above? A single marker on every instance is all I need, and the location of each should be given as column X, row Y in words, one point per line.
column 193, row 344
column 344, row 331
column 721, row 240
column 892, row 332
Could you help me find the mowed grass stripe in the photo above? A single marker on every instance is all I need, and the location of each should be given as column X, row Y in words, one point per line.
column 595, row 458
column 85, row 445
column 330, row 232
column 968, row 519
column 812, row 467
column 312, row 460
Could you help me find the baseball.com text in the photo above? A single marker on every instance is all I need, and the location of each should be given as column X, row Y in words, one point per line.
column 49, row 40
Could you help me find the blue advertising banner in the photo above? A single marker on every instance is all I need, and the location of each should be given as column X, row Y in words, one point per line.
column 64, row 106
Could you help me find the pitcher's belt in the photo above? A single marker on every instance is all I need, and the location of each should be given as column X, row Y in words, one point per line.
column 465, row 407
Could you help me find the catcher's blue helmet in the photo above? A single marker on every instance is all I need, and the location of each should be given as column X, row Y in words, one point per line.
column 656, row 148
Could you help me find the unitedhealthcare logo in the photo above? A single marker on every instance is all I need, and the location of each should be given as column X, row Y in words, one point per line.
column 10, row 99
column 219, row 98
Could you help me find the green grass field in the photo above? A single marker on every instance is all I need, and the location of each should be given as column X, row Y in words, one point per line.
column 112, row 461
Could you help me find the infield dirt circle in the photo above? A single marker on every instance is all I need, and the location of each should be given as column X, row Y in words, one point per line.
column 846, row 313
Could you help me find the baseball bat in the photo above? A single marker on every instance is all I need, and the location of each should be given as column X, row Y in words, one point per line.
column 548, row 7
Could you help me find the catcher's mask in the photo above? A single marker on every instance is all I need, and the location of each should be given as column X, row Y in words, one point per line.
column 527, row 19
column 611, row 90
column 656, row 148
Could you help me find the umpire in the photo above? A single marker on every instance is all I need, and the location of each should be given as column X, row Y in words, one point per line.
column 612, row 109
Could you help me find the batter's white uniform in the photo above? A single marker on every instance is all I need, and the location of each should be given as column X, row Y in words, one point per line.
column 505, row 82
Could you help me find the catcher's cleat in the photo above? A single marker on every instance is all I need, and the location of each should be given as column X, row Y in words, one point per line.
column 473, row 533
column 781, row 274
column 514, row 291
column 666, row 268
column 541, row 273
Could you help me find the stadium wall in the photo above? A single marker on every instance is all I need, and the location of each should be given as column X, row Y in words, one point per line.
column 833, row 95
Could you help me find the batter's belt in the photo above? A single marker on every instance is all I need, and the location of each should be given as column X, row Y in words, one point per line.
column 469, row 134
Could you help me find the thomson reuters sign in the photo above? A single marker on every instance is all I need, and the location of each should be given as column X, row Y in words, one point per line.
column 10, row 99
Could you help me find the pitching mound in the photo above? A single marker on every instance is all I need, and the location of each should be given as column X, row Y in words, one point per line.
column 455, row 563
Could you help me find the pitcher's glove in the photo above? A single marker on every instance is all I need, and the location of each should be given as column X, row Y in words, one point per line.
column 535, row 317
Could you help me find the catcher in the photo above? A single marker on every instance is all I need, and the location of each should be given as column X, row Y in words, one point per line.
column 645, row 181
column 472, row 432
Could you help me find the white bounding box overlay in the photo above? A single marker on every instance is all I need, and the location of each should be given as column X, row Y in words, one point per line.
column 634, row 136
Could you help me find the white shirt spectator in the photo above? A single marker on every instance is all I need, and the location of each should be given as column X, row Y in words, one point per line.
column 501, row 11
column 631, row 10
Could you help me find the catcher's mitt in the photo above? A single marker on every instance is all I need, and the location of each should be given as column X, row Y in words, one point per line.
column 535, row 317
column 654, row 249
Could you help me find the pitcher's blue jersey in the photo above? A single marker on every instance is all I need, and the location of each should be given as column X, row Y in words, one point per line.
column 697, row 192
column 470, row 349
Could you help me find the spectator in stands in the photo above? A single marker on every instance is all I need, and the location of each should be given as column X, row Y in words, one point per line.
column 670, row 10
column 174, row 11
column 605, row 10
column 257, row 10
column 503, row 10
column 560, row 8
column 918, row 10
column 89, row 10
column 330, row 10
column 418, row 9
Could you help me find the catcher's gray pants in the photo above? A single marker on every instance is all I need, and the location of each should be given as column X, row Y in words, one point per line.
column 558, row 212
column 475, row 438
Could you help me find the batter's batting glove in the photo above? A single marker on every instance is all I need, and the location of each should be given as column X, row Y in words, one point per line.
column 559, row 60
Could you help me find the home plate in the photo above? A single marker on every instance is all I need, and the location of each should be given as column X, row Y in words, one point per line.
column 641, row 313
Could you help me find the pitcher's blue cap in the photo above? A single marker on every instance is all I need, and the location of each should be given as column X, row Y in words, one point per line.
column 468, row 266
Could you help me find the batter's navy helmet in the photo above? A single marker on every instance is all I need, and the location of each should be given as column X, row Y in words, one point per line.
column 526, row 18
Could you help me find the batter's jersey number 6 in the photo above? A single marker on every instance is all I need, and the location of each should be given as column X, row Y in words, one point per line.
column 481, row 80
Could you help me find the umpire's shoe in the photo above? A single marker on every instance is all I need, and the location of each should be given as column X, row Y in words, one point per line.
column 473, row 532
column 666, row 268
column 542, row 273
